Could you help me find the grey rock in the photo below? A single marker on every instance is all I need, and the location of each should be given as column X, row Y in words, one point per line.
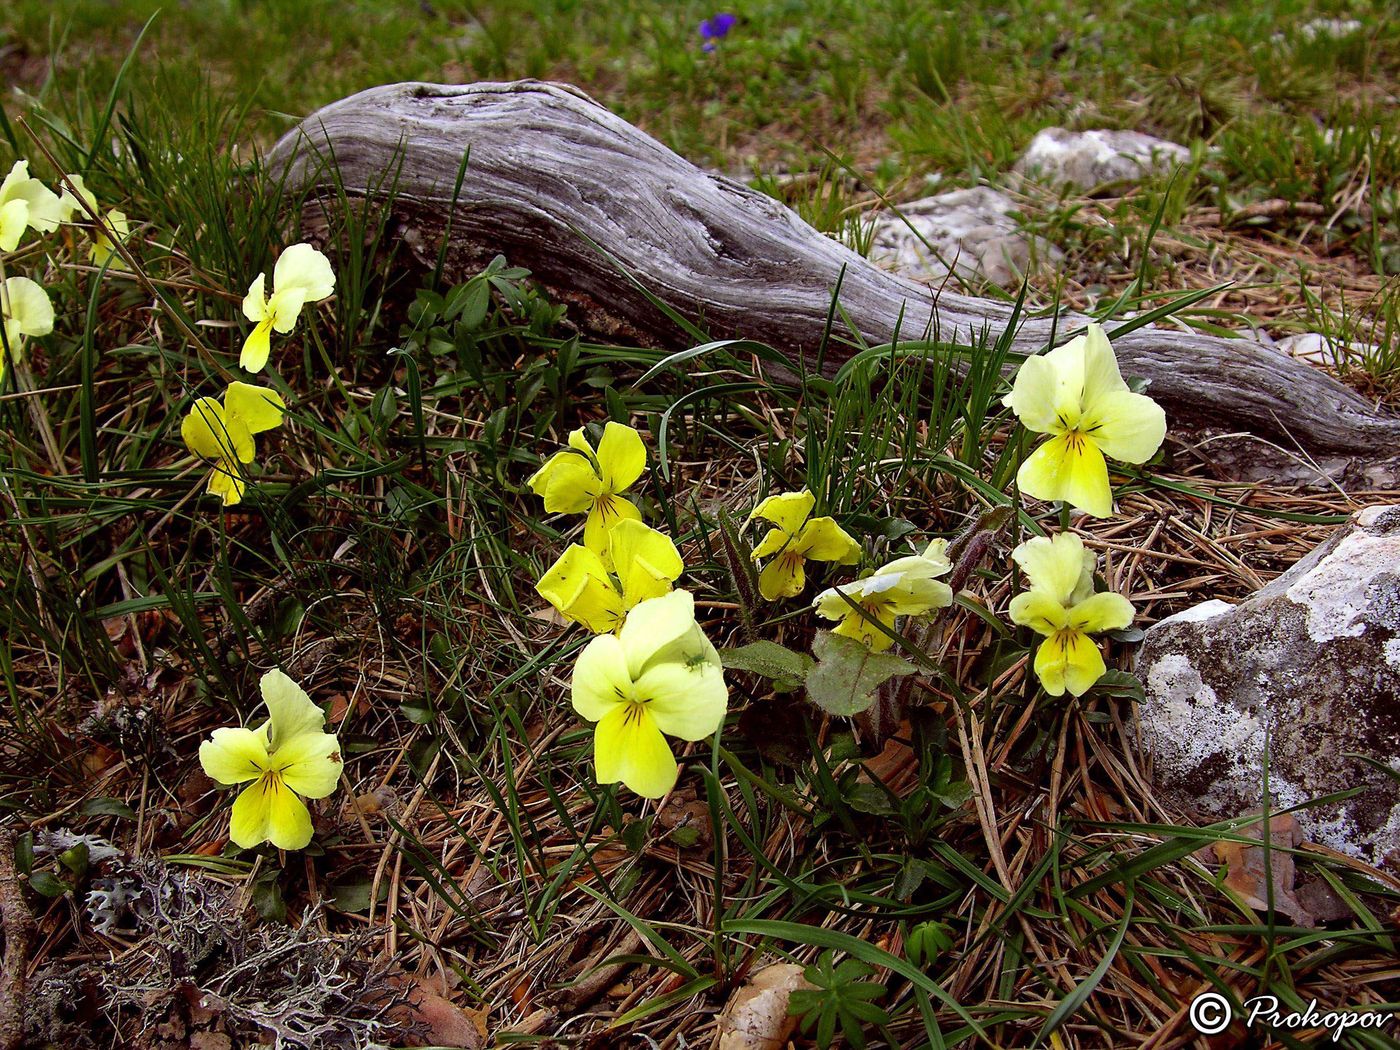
column 1302, row 674
column 1088, row 159
column 1324, row 350
column 968, row 232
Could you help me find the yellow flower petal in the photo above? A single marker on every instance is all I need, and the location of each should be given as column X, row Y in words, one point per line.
column 646, row 561
column 234, row 755
column 567, row 483
column 784, row 576
column 601, row 680
column 268, row 811
column 686, row 698
column 209, row 433
column 1102, row 612
column 578, row 586
column 821, row 539
column 27, row 304
column 1039, row 395
column 14, row 220
column 291, row 713
column 774, row 541
column 621, row 457
column 861, row 627
column 255, row 302
column 228, row 483
column 1038, row 610
column 654, row 626
column 1068, row 661
column 310, row 764
column 607, row 512
column 305, row 269
column 1070, row 468
column 1055, row 564
column 284, row 308
column 257, row 347
column 628, row 747
column 45, row 209
column 256, row 408
column 1127, row 427
column 787, row 510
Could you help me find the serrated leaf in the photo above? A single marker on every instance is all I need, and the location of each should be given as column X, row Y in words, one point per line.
column 786, row 668
column 846, row 674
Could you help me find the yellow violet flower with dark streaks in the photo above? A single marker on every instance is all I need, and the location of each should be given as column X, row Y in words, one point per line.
column 288, row 758
column 223, row 433
column 1076, row 394
column 658, row 675
column 645, row 563
column 582, row 479
column 904, row 587
column 795, row 537
column 1061, row 605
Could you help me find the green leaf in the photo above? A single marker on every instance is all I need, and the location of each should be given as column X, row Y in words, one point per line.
column 870, row 798
column 108, row 807
column 926, row 942
column 786, row 668
column 846, row 675
column 44, row 883
column 353, row 896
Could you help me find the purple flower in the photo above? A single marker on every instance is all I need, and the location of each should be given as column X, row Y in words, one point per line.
column 713, row 29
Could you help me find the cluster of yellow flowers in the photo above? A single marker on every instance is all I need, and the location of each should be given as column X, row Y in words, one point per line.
column 223, row 433
column 27, row 204
column 650, row 670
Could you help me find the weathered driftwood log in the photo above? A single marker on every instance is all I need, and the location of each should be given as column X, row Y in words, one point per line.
column 553, row 177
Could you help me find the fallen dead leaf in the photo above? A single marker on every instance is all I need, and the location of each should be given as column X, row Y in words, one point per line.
column 438, row 1021
column 756, row 1016
column 1249, row 870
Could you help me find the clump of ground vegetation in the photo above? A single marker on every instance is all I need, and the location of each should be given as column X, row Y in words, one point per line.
column 209, row 480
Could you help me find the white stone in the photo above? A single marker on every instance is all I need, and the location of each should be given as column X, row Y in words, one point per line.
column 1301, row 676
column 970, row 232
column 1088, row 159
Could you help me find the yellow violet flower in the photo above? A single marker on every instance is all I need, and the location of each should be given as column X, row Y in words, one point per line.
column 301, row 275
column 583, row 479
column 224, row 433
column 645, row 561
column 115, row 220
column 795, row 537
column 288, row 756
column 904, row 587
column 1076, row 394
column 659, row 674
column 1062, row 606
column 26, row 311
column 26, row 203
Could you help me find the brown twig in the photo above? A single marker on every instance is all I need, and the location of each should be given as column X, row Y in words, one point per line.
column 18, row 925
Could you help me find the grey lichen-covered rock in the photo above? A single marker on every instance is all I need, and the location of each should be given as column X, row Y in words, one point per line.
column 1301, row 676
column 969, row 232
column 1087, row 159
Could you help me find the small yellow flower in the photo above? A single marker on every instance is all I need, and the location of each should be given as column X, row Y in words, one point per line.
column 26, row 203
column 302, row 275
column 1061, row 605
column 26, row 311
column 797, row 536
column 224, row 433
column 645, row 561
column 288, row 756
column 1076, row 394
column 659, row 674
column 115, row 220
column 581, row 479
column 904, row 587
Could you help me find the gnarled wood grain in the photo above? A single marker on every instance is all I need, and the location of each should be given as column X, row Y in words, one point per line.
column 551, row 171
